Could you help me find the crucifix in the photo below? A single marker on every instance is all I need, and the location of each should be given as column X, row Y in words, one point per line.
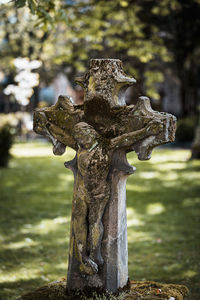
column 102, row 131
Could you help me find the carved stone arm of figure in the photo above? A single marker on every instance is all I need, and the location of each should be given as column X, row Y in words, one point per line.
column 62, row 136
column 40, row 127
column 126, row 140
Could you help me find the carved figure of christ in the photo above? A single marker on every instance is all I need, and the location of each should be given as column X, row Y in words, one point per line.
column 93, row 163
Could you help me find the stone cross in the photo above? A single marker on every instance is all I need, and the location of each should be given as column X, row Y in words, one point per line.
column 102, row 131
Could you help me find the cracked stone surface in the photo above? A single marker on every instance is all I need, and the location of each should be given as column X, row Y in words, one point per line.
column 102, row 131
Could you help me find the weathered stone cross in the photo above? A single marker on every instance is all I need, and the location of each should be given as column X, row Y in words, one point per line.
column 102, row 131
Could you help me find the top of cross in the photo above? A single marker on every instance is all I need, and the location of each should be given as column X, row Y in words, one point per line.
column 105, row 79
column 105, row 109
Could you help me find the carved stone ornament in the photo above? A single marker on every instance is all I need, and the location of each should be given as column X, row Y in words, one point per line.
column 102, row 131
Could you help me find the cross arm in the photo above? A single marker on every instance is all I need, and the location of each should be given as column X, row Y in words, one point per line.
column 57, row 122
column 59, row 138
column 62, row 136
column 128, row 139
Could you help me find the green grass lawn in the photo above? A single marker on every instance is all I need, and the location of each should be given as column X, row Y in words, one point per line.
column 163, row 208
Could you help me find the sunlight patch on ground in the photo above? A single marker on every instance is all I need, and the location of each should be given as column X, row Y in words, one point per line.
column 36, row 150
column 171, row 155
column 2, row 238
column 171, row 166
column 133, row 218
column 62, row 266
column 130, row 212
column 27, row 242
column 171, row 176
column 169, row 184
column 148, row 175
column 139, row 236
column 45, row 226
column 134, row 222
column 61, row 220
column 155, row 208
column 66, row 177
column 63, row 240
column 192, row 176
column 19, row 274
column 189, row 273
column 137, row 188
column 31, row 152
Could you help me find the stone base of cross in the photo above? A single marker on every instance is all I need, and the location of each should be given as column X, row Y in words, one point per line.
column 102, row 131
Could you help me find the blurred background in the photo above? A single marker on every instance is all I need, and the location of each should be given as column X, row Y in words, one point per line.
column 43, row 46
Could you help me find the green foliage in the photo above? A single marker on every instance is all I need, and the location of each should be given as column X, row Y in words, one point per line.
column 90, row 30
column 162, row 208
column 43, row 9
column 20, row 3
column 23, row 34
column 186, row 129
column 149, row 36
column 152, row 78
column 6, row 141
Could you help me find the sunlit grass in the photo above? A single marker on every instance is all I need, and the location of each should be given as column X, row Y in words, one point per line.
column 163, row 219
column 32, row 150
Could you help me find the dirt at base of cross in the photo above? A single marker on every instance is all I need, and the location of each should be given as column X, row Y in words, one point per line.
column 144, row 290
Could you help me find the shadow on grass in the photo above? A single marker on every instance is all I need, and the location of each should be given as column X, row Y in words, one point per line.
column 35, row 208
column 163, row 205
column 7, row 288
column 165, row 223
